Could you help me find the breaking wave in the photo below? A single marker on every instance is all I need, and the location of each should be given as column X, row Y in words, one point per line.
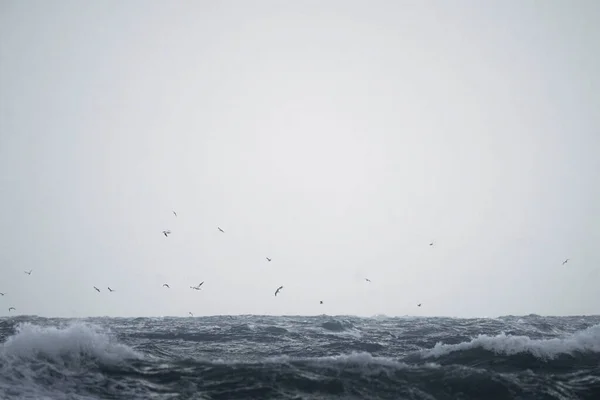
column 41, row 361
column 300, row 357
column 586, row 341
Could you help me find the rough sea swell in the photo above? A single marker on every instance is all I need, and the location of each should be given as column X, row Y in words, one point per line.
column 260, row 357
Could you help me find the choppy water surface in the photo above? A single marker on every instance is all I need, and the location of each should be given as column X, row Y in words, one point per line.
column 261, row 357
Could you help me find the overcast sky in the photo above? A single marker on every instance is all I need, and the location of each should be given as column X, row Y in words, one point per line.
column 338, row 138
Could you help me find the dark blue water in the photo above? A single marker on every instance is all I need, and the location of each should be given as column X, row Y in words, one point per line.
column 261, row 357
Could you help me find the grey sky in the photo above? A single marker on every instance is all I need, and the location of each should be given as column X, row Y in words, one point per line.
column 338, row 138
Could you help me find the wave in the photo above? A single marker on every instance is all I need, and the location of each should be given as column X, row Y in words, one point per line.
column 75, row 341
column 360, row 375
column 585, row 341
column 39, row 362
column 358, row 359
column 291, row 359
column 337, row 326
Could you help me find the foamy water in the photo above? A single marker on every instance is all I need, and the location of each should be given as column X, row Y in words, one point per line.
column 309, row 357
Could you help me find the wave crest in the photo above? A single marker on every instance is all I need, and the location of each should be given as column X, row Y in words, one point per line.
column 585, row 341
column 73, row 342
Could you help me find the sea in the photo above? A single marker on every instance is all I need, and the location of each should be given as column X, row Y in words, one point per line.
column 300, row 357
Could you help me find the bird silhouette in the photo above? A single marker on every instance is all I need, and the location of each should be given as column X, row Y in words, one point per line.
column 12, row 308
column 268, row 259
column 164, row 284
column 110, row 290
column 220, row 229
column 566, row 261
column 29, row 272
column 166, row 233
column 278, row 289
column 97, row 290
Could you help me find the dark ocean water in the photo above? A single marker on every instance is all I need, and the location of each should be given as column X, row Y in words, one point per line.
column 261, row 357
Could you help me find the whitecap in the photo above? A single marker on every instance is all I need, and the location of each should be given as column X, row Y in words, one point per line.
column 587, row 340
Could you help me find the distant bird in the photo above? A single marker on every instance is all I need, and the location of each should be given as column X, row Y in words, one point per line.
column 29, row 272
column 97, row 290
column 367, row 279
column 419, row 305
column 278, row 289
column 174, row 213
column 2, row 294
column 197, row 287
column 191, row 315
column 221, row 229
column 166, row 233
column 321, row 302
column 431, row 244
column 110, row 290
column 164, row 284
column 566, row 261
column 268, row 259
column 12, row 308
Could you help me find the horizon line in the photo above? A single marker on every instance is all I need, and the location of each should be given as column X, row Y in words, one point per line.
column 376, row 316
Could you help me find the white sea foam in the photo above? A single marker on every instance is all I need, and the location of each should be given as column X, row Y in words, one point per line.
column 355, row 359
column 73, row 341
column 41, row 362
column 587, row 340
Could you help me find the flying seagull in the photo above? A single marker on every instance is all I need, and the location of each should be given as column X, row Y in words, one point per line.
column 321, row 302
column 221, row 229
column 197, row 287
column 29, row 272
column 110, row 290
column 97, row 290
column 2, row 294
column 166, row 233
column 164, row 284
column 12, row 308
column 566, row 261
column 174, row 213
column 278, row 289
column 367, row 279
column 268, row 259
column 431, row 244
column 191, row 315
column 419, row 305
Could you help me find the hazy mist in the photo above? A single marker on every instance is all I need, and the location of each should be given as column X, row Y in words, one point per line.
column 338, row 138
